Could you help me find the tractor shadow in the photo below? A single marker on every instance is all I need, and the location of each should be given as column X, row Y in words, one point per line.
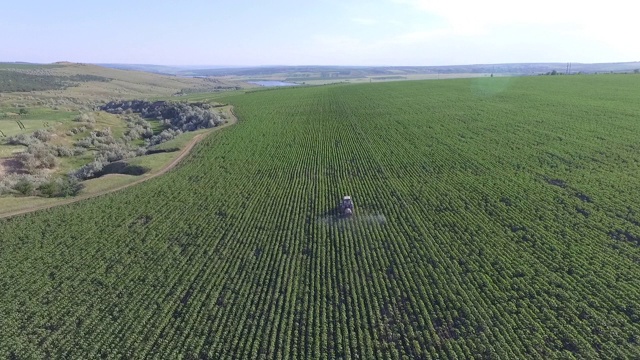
column 334, row 212
column 332, row 216
column 335, row 216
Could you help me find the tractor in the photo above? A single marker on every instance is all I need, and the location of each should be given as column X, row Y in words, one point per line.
column 346, row 206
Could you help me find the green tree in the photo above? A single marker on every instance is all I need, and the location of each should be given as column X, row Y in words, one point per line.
column 70, row 186
column 24, row 187
column 48, row 189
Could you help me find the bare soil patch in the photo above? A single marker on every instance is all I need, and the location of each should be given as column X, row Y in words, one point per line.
column 10, row 166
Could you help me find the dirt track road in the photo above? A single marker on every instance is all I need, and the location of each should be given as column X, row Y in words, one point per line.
column 183, row 153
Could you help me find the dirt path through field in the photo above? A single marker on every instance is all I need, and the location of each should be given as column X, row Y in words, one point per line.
column 183, row 153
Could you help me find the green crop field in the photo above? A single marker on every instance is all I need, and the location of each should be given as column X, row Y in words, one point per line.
column 34, row 119
column 494, row 218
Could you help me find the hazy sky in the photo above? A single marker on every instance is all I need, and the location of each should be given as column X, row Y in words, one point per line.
column 319, row 32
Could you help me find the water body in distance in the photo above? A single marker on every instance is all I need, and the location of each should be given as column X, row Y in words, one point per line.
column 271, row 83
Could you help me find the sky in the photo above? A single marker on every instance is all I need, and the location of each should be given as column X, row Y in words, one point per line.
column 319, row 32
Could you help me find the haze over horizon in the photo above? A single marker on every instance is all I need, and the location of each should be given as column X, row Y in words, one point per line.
column 325, row 32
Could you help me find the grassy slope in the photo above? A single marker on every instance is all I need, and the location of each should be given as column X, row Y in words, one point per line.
column 153, row 163
column 64, row 105
column 36, row 118
column 58, row 122
column 233, row 255
column 67, row 103
column 124, row 84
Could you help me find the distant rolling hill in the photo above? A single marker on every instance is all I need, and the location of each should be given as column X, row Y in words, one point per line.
column 93, row 82
column 351, row 71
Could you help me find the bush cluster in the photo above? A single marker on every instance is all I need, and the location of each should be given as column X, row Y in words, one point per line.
column 137, row 128
column 33, row 185
column 37, row 157
column 63, row 151
column 174, row 115
column 97, row 138
column 165, row 135
column 108, row 152
column 42, row 135
column 37, row 137
column 85, row 117
column 23, row 139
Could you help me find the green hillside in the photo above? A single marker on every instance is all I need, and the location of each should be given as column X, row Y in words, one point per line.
column 494, row 218
column 72, row 85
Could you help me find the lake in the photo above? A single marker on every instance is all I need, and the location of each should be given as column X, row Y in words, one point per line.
column 271, row 83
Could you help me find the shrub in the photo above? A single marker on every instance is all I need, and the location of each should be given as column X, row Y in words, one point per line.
column 85, row 117
column 4, row 189
column 48, row 189
column 42, row 135
column 165, row 135
column 177, row 116
column 38, row 156
column 61, row 187
column 22, row 139
column 9, row 182
column 69, row 186
column 90, row 170
column 63, row 151
column 102, row 133
column 24, row 187
column 85, row 143
column 78, row 130
column 139, row 131
column 115, row 152
column 97, row 138
column 141, row 151
column 78, row 150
